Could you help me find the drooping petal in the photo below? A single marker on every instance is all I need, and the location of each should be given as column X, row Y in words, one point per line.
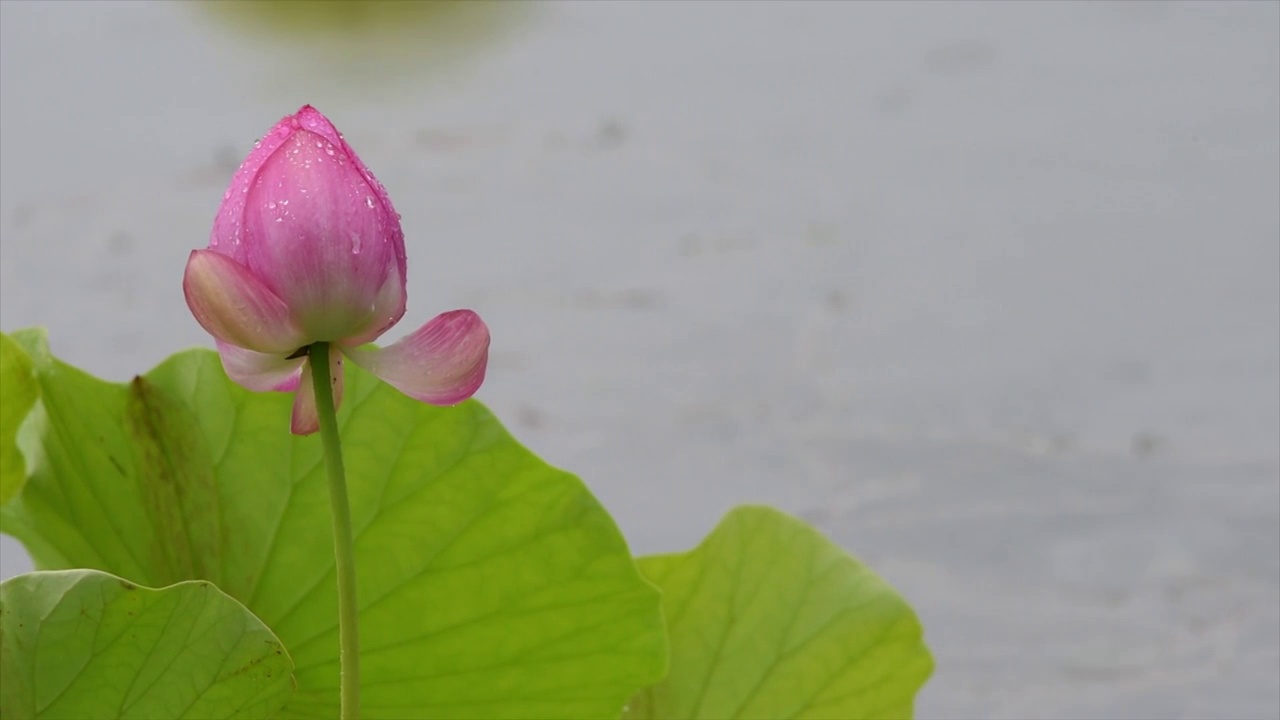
column 305, row 419
column 441, row 363
column 236, row 307
column 260, row 372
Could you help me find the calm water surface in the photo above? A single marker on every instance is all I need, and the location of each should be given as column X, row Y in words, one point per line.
column 989, row 293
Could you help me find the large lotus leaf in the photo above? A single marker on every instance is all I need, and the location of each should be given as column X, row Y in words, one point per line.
column 490, row 584
column 84, row 644
column 768, row 619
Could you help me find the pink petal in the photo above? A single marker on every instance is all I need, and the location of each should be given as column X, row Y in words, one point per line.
column 228, row 226
column 388, row 308
column 260, row 372
column 235, row 306
column 305, row 420
column 319, row 231
column 441, row 363
column 315, row 121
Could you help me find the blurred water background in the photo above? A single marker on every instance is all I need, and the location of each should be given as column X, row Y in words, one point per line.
column 990, row 293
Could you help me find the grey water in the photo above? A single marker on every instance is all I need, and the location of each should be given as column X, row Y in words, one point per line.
column 990, row 293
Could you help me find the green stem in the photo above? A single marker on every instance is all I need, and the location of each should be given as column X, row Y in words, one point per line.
column 343, row 545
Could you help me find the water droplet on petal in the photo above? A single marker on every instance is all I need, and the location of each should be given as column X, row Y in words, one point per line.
column 271, row 205
column 356, row 243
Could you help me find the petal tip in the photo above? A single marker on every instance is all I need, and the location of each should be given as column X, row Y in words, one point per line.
column 302, row 426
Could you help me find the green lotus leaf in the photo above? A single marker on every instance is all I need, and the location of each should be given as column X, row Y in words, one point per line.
column 19, row 391
column 769, row 619
column 490, row 584
column 82, row 644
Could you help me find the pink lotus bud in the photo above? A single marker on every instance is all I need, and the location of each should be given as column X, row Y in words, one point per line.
column 308, row 248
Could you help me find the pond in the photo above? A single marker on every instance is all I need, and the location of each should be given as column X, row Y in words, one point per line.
column 989, row 293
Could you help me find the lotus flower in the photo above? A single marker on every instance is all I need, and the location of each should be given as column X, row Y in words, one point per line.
column 307, row 248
